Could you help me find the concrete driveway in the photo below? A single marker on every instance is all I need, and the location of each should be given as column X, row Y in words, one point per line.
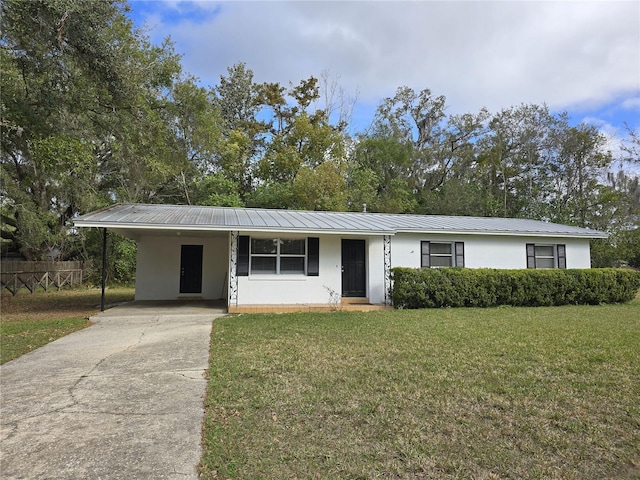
column 122, row 399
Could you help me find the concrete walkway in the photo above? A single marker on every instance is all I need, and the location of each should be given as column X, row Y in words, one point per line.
column 122, row 399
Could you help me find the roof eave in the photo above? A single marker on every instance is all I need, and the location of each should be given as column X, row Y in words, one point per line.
column 519, row 233
column 227, row 228
column 311, row 231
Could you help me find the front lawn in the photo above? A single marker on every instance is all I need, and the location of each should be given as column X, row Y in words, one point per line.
column 448, row 393
column 30, row 321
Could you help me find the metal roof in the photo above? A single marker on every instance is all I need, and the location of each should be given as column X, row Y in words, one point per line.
column 199, row 218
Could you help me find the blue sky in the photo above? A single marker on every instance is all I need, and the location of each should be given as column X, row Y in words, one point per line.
column 575, row 56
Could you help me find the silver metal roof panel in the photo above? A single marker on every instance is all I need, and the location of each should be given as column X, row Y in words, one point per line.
column 168, row 217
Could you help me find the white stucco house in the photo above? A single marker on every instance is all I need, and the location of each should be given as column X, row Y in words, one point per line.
column 284, row 258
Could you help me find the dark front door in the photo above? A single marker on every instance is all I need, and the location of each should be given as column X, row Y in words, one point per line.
column 191, row 269
column 354, row 275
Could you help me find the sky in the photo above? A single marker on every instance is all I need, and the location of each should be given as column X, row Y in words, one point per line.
column 582, row 57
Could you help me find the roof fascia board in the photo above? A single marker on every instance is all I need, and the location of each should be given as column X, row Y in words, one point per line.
column 515, row 233
column 240, row 228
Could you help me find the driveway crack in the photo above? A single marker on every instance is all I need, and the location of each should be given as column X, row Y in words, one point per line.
column 72, row 389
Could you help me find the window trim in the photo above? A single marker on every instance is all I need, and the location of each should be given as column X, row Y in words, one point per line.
column 456, row 255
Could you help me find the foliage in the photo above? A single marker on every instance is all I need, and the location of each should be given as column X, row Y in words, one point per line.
column 82, row 120
column 121, row 258
column 320, row 188
column 124, row 263
column 621, row 249
column 217, row 189
column 454, row 287
column 379, row 175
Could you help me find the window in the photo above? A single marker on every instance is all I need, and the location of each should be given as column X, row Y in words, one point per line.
column 278, row 255
column 546, row 256
column 442, row 254
column 257, row 256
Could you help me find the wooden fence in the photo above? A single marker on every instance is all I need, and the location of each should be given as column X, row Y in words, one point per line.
column 16, row 275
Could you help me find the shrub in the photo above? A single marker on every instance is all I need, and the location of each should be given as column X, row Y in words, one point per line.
column 460, row 287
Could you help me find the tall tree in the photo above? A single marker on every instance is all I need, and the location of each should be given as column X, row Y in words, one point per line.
column 511, row 162
column 577, row 172
column 80, row 104
column 305, row 148
column 437, row 149
column 379, row 175
column 417, row 119
column 239, row 100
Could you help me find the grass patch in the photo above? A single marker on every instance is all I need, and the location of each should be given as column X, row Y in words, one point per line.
column 30, row 321
column 451, row 393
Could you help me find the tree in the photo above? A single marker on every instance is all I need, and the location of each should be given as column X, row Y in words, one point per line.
column 417, row 119
column 320, row 188
column 620, row 211
column 631, row 147
column 238, row 100
column 436, row 149
column 81, row 116
column 304, row 148
column 217, row 189
column 620, row 216
column 338, row 105
column 512, row 158
column 582, row 160
column 379, row 175
column 196, row 123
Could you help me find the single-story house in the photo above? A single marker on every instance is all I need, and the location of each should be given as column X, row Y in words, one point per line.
column 285, row 258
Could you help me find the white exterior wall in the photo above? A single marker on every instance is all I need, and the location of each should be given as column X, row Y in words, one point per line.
column 301, row 289
column 487, row 251
column 158, row 267
column 296, row 289
column 375, row 269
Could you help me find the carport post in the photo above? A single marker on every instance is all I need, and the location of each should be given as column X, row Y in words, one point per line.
column 104, row 267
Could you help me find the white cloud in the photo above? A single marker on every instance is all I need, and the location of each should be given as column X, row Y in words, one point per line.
column 614, row 135
column 632, row 103
column 476, row 53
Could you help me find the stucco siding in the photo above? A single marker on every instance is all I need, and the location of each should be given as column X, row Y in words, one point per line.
column 296, row 289
column 375, row 269
column 487, row 251
column 158, row 267
column 578, row 253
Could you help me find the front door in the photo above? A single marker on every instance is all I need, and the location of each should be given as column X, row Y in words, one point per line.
column 191, row 269
column 354, row 274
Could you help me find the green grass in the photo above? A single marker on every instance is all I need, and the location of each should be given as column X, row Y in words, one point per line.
column 19, row 338
column 451, row 393
column 30, row 321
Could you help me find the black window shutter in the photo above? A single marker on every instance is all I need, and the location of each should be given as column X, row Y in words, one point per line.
column 242, row 267
column 425, row 261
column 531, row 255
column 313, row 256
column 459, row 254
column 562, row 256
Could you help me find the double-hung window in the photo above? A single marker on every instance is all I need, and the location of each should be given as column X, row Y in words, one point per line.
column 442, row 254
column 278, row 255
column 546, row 256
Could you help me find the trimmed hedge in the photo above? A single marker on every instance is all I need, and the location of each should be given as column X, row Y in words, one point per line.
column 462, row 287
